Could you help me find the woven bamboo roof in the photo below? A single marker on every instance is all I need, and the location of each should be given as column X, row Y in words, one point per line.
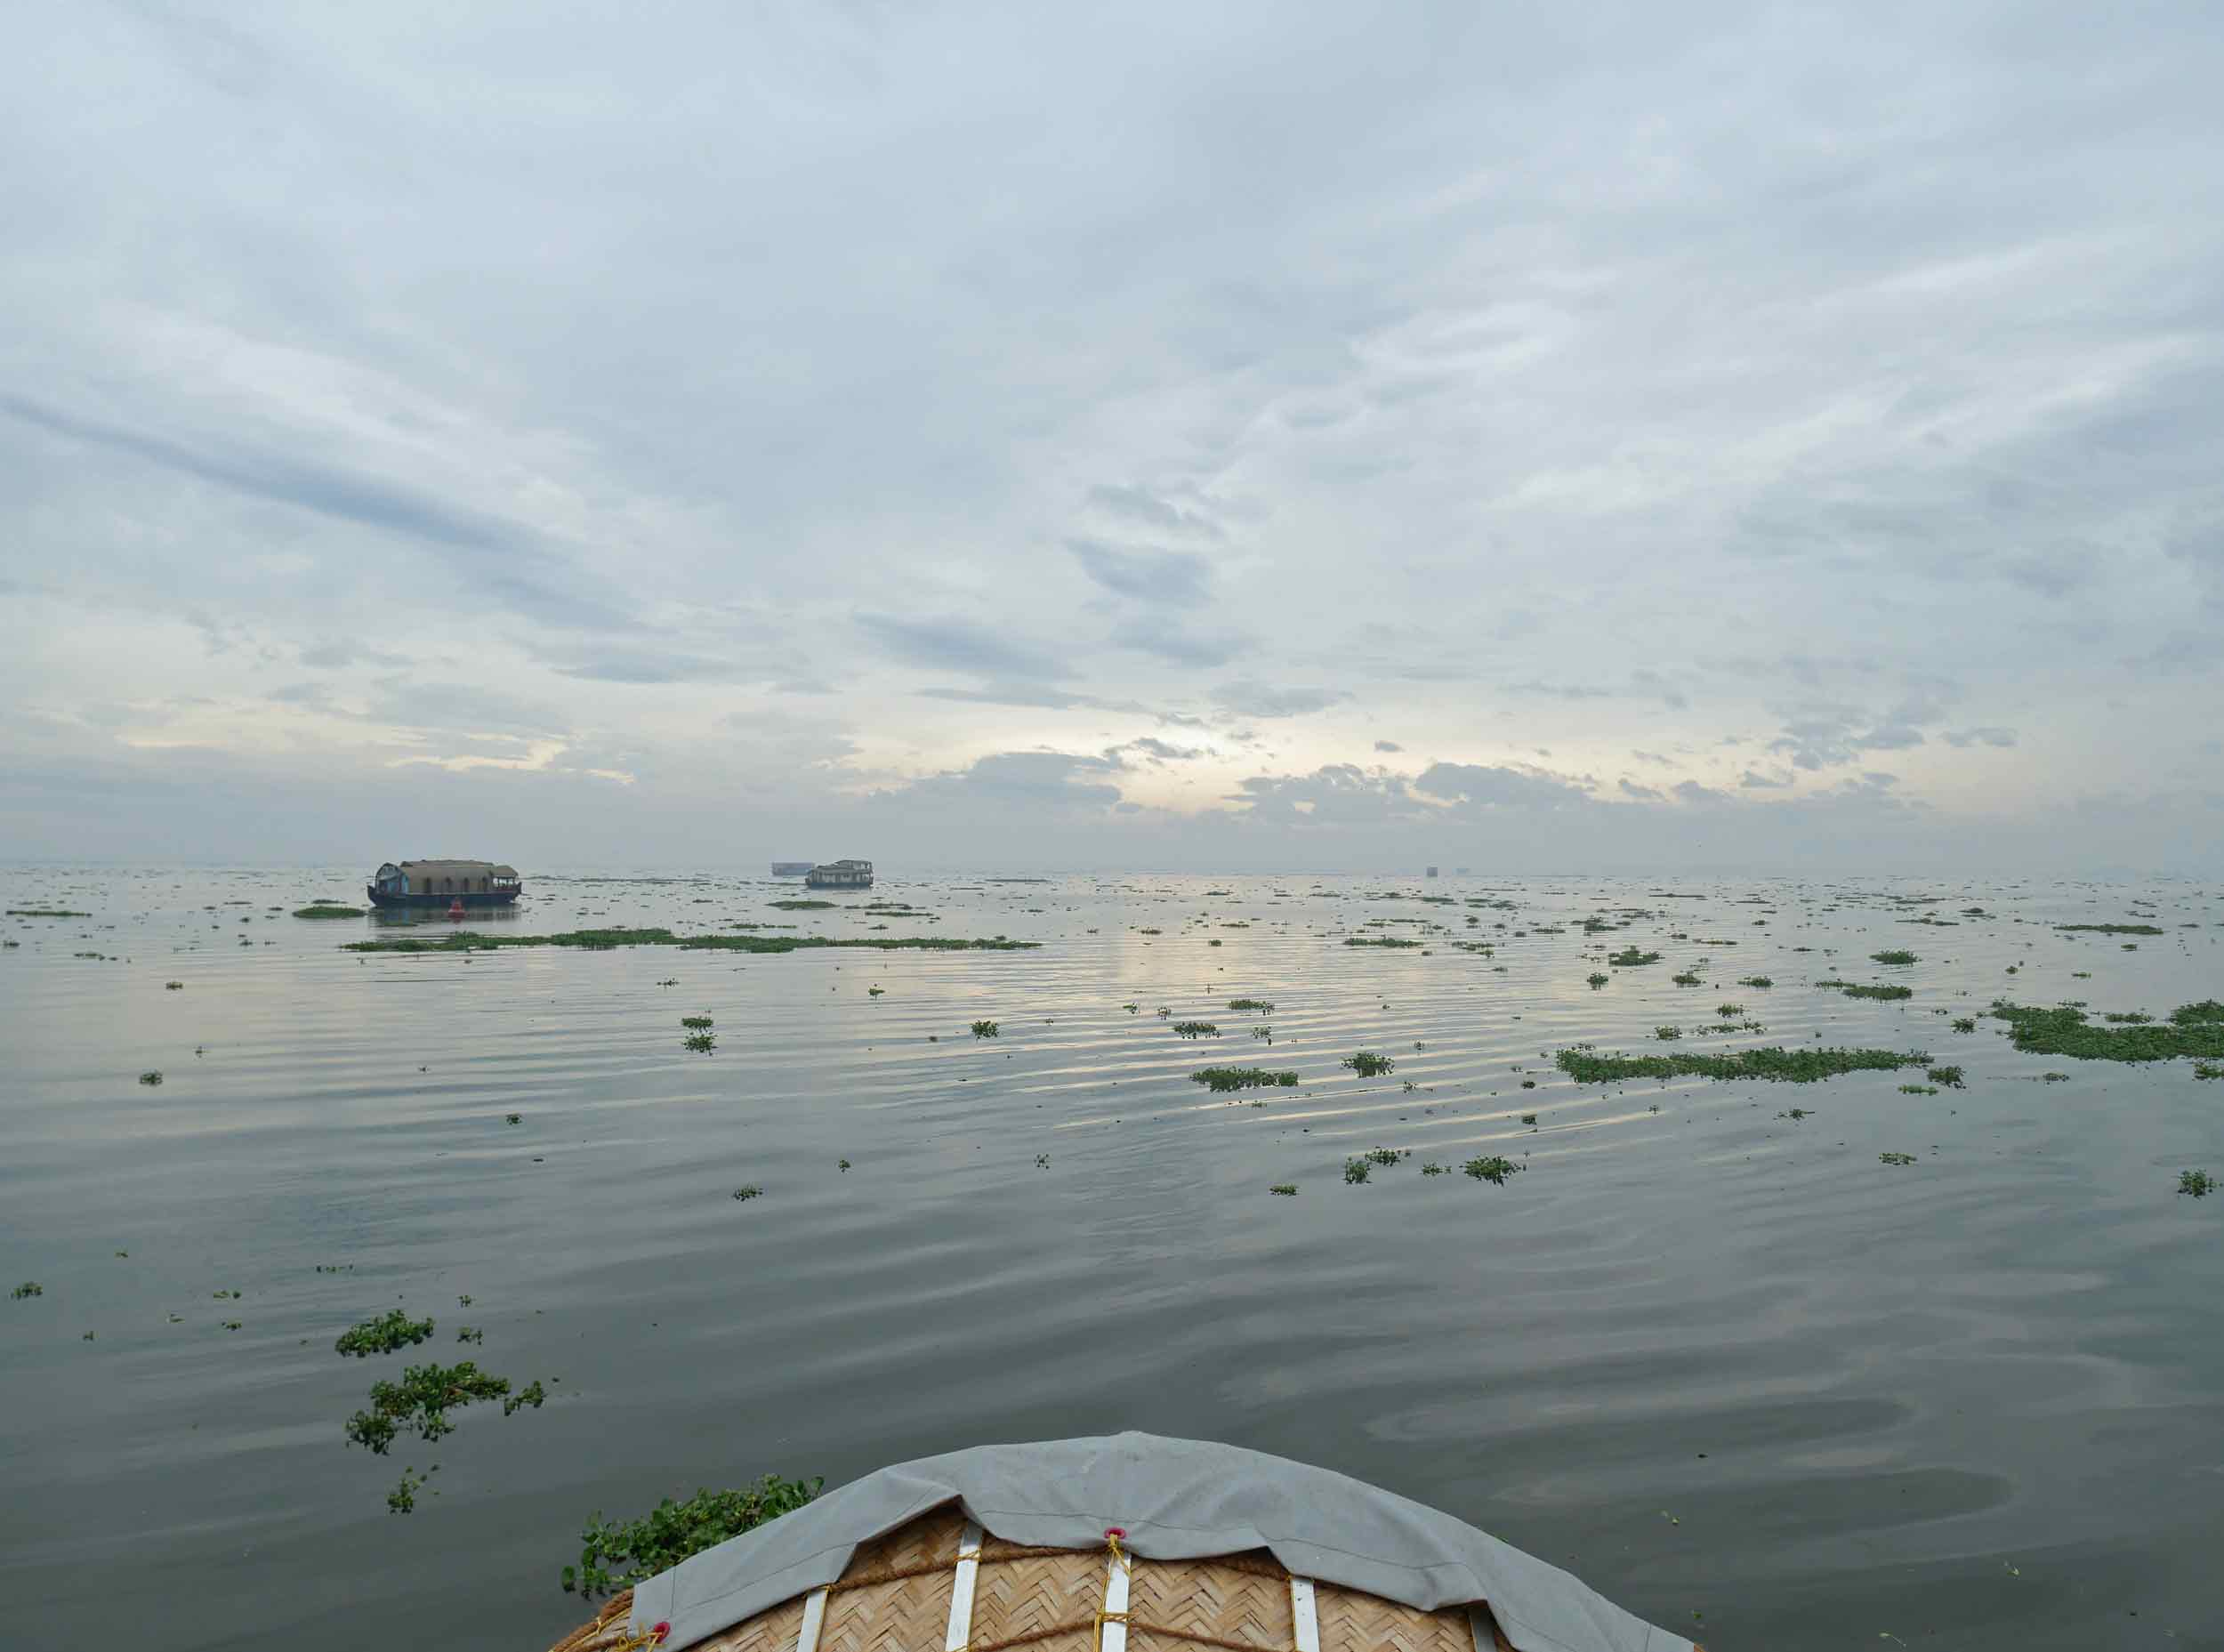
column 940, row 1583
column 457, row 869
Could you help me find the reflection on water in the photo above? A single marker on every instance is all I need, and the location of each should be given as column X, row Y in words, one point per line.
column 1715, row 1360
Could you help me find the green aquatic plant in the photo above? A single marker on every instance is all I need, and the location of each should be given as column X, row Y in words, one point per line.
column 802, row 905
column 151, row 1077
column 2197, row 1182
column 1260, row 1005
column 1367, row 1064
column 1629, row 958
column 1287, row 1189
column 1667, row 1032
column 2193, row 1029
column 1797, row 1114
column 1950, row 1076
column 702, row 1044
column 1760, row 981
column 1897, row 955
column 1895, row 1158
column 607, row 940
column 1227, row 1078
column 420, row 1402
column 468, row 1333
column 327, row 909
column 1729, row 1012
column 1853, row 989
column 2108, row 928
column 1964, row 1023
column 2207, row 1069
column 746, row 1194
column 27, row 1289
column 616, row 1555
column 1595, row 980
column 1493, row 1169
column 1378, row 940
column 1196, row 1029
column 45, row 912
column 173, row 986
column 987, row 1030
column 1688, row 978
column 1771, row 1062
column 1386, row 1155
column 403, row 1498
column 1919, row 1090
column 697, row 1022
column 1355, row 1171
column 391, row 1330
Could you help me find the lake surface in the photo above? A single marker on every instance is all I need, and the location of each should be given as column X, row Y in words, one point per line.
column 1712, row 1360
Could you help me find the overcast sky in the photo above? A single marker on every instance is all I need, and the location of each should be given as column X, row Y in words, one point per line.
column 1544, row 437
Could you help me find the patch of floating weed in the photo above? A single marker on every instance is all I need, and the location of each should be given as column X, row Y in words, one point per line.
column 45, row 912
column 151, row 1077
column 1772, row 1062
column 702, row 1044
column 1196, row 1029
column 1287, row 1189
column 27, row 1289
column 695, row 1022
column 1895, row 1158
column 1950, row 1076
column 1760, row 981
column 1367, row 1064
column 1378, row 940
column 1227, row 1078
column 752, row 1191
column 1896, row 955
column 1260, row 1005
column 1667, row 1032
column 802, row 905
column 1355, row 1171
column 2207, row 1069
column 1493, row 1169
column 1964, row 1023
column 1854, row 989
column 421, row 1401
column 2108, row 928
column 327, row 909
column 1629, row 958
column 987, row 1030
column 388, row 1333
column 609, row 940
column 1919, row 1090
column 1797, row 1114
column 2197, row 1182
column 615, row 1556
column 1595, row 980
column 1688, row 978
column 2193, row 1029
column 1729, row 1012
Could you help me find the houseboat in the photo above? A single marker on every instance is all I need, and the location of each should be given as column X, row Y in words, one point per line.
column 444, row 883
column 791, row 868
column 840, row 875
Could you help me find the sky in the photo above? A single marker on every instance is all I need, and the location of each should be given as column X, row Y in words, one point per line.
column 1716, row 437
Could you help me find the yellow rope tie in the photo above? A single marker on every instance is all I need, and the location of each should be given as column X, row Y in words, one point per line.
column 1112, row 1536
column 1104, row 1617
column 650, row 1637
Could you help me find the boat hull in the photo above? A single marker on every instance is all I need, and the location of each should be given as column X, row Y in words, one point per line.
column 476, row 897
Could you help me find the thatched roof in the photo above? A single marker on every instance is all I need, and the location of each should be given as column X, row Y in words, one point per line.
column 1003, row 1548
column 457, row 869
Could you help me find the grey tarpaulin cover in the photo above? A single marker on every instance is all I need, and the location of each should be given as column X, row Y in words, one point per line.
column 1178, row 1500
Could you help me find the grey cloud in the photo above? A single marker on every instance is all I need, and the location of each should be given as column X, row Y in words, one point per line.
column 1250, row 699
column 1169, row 640
column 951, row 644
column 1987, row 736
column 1495, row 786
column 1754, row 780
column 1630, row 788
column 1138, row 505
column 1154, row 576
column 1033, row 696
column 500, row 559
column 645, row 667
column 1065, row 779
column 1387, row 746
column 1159, row 751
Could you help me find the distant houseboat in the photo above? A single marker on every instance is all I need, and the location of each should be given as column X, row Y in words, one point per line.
column 791, row 868
column 841, row 875
column 444, row 883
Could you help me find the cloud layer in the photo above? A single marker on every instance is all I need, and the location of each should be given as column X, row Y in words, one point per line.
column 1192, row 435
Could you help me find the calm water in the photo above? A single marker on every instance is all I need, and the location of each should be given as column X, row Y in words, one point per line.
column 1712, row 1360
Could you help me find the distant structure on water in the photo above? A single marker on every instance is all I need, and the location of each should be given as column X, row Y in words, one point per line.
column 791, row 868
column 1430, row 873
column 444, row 883
column 840, row 875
